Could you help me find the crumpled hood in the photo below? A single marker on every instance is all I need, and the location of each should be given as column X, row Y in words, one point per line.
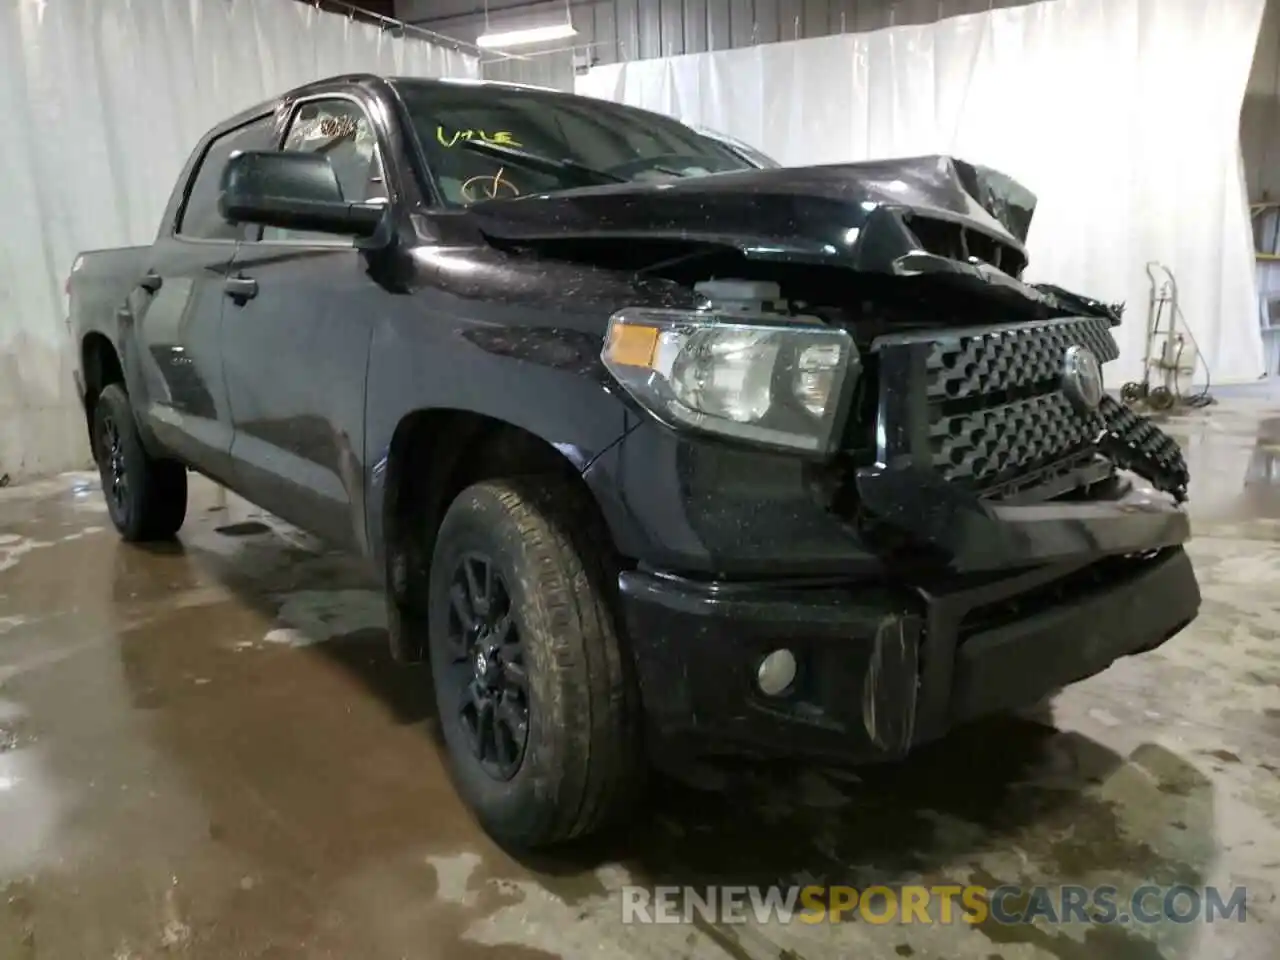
column 821, row 212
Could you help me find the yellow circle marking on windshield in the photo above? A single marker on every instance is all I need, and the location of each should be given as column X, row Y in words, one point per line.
column 490, row 187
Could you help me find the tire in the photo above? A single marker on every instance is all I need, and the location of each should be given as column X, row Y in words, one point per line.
column 146, row 498
column 1161, row 398
column 582, row 763
column 1132, row 392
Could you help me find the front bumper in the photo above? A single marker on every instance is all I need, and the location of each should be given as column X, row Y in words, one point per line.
column 885, row 668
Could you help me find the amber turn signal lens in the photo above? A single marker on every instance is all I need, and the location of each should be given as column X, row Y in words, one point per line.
column 631, row 345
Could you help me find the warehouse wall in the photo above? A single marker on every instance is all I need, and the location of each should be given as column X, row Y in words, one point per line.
column 1260, row 117
column 610, row 31
column 1260, row 145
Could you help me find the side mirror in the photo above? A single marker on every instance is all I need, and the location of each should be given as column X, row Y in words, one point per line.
column 293, row 191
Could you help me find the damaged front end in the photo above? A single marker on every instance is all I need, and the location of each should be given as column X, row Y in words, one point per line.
column 976, row 393
column 967, row 536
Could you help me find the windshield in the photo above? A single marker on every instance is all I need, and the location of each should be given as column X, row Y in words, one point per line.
column 486, row 142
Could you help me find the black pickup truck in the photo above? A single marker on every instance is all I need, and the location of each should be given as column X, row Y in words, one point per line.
column 664, row 453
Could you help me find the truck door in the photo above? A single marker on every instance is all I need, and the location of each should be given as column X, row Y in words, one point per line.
column 296, row 336
column 176, row 311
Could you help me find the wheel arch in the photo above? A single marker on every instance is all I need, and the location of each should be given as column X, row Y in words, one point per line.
column 434, row 455
column 101, row 364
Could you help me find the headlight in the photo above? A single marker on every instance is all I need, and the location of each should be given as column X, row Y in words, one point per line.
column 781, row 383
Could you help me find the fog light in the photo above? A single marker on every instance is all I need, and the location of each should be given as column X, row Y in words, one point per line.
column 776, row 673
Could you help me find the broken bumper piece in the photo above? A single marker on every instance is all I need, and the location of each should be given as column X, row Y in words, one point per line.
column 880, row 670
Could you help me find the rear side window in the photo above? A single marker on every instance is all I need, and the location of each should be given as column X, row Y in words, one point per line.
column 200, row 219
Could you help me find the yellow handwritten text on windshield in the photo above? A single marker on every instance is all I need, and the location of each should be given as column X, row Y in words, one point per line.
column 501, row 137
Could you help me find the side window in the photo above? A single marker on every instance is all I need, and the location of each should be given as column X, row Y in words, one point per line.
column 340, row 130
column 200, row 219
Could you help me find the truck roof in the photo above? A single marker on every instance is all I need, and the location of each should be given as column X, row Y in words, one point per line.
column 327, row 83
column 356, row 78
column 266, row 106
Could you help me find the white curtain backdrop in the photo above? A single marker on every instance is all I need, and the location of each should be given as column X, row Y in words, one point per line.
column 1120, row 115
column 105, row 99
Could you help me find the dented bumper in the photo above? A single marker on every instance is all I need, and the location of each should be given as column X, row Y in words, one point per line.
column 882, row 669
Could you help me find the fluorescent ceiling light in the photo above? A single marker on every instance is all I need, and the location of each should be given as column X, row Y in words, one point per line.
column 514, row 38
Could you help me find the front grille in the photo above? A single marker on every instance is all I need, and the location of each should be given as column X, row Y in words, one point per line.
column 999, row 445
column 981, row 366
column 984, row 407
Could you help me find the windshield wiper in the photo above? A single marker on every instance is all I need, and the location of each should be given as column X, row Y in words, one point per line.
column 541, row 163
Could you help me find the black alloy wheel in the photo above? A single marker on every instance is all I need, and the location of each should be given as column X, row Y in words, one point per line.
column 536, row 702
column 111, row 463
column 145, row 497
column 488, row 666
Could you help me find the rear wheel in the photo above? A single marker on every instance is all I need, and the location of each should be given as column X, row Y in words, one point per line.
column 536, row 701
column 146, row 498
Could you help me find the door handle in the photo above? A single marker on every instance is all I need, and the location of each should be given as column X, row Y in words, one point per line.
column 151, row 281
column 240, row 289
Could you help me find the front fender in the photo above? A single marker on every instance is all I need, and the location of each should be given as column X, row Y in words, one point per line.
column 540, row 376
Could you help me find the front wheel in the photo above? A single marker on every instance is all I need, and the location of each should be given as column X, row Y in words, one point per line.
column 536, row 701
column 146, row 498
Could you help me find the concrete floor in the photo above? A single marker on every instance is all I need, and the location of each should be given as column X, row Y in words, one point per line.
column 205, row 751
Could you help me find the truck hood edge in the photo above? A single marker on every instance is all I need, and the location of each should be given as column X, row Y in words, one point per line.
column 815, row 212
